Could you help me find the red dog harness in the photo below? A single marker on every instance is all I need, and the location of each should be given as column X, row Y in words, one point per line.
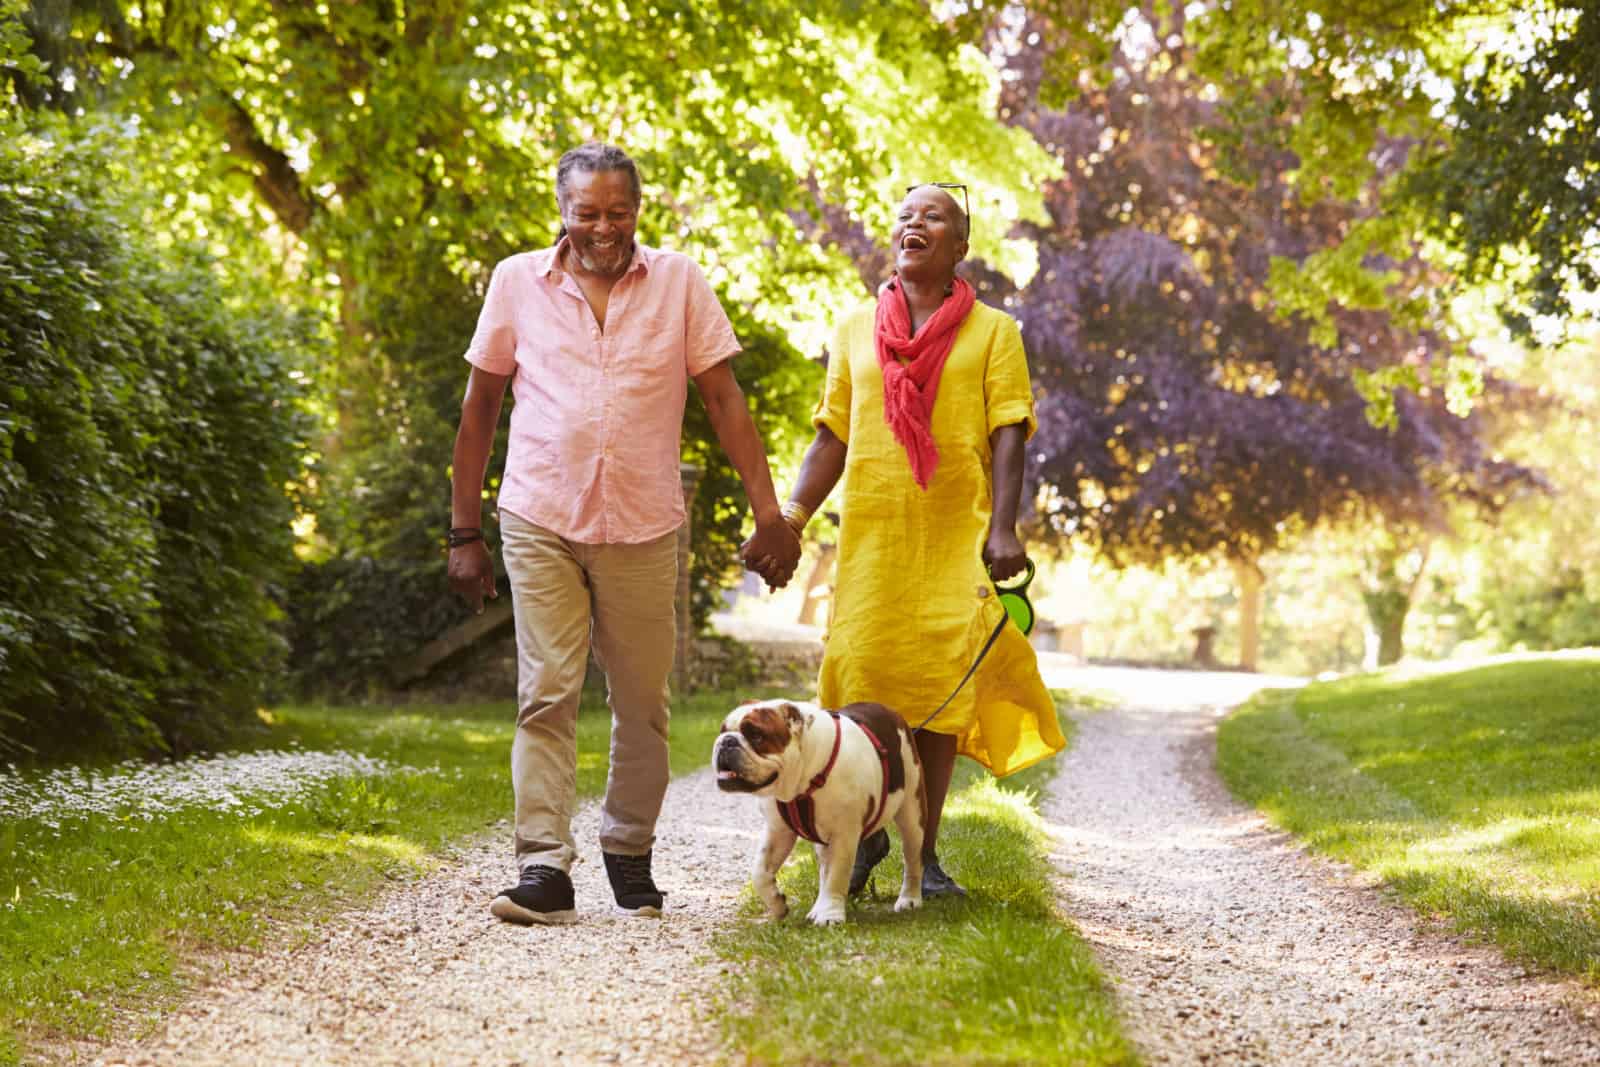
column 800, row 813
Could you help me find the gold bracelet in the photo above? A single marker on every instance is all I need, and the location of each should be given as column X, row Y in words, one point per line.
column 796, row 515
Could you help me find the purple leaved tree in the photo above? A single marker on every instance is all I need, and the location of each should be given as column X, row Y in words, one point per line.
column 1181, row 416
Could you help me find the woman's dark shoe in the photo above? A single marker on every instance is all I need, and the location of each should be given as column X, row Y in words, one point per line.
column 869, row 853
column 935, row 883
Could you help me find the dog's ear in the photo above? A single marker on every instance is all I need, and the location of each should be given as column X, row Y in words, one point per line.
column 767, row 730
column 792, row 715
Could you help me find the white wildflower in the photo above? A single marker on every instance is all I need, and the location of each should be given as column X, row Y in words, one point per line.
column 246, row 784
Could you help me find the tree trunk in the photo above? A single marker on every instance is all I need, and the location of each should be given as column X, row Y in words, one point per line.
column 1395, row 570
column 1247, row 574
column 1386, row 636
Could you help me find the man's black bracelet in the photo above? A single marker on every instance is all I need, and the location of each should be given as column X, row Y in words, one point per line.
column 464, row 535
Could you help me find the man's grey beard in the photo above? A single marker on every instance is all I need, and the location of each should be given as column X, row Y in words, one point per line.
column 615, row 264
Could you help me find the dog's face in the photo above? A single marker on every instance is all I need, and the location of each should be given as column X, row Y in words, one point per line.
column 755, row 742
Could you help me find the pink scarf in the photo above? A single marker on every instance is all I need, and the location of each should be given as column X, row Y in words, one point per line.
column 912, row 366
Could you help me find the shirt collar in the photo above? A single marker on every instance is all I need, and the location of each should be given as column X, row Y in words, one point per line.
column 548, row 261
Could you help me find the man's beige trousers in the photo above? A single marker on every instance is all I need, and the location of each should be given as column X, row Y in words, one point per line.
column 566, row 595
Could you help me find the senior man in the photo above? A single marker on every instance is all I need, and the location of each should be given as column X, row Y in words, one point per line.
column 598, row 338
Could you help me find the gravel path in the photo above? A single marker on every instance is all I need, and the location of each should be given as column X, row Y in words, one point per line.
column 427, row 976
column 1228, row 945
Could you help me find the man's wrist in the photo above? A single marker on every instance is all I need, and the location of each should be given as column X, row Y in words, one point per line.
column 461, row 536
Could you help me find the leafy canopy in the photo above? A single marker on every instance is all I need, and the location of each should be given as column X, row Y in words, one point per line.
column 386, row 155
column 1489, row 105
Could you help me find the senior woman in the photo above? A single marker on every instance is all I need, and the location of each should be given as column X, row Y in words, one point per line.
column 924, row 413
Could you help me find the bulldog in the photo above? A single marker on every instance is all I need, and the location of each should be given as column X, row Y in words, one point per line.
column 832, row 777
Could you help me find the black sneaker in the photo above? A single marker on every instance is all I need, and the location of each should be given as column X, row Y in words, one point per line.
column 935, row 883
column 869, row 853
column 635, row 890
column 542, row 895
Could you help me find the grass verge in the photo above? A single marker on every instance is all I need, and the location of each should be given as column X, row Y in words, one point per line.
column 1475, row 793
column 996, row 978
column 100, row 902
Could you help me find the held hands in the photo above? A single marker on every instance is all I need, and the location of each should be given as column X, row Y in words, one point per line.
column 773, row 552
column 1003, row 554
column 471, row 572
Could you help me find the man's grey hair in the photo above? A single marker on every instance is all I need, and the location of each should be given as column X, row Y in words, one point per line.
column 593, row 158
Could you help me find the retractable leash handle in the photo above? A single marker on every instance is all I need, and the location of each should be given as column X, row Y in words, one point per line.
column 1015, row 600
column 1018, row 610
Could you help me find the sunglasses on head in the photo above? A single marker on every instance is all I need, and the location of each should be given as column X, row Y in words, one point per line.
column 947, row 186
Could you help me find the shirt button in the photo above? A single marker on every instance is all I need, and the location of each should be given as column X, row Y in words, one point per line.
column 983, row 592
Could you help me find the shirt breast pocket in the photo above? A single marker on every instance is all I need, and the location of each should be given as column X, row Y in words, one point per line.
column 663, row 335
column 655, row 346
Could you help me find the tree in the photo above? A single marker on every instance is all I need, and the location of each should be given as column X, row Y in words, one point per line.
column 1186, row 415
column 1395, row 564
column 1533, row 582
column 1494, row 103
column 392, row 132
column 397, row 150
column 1520, row 174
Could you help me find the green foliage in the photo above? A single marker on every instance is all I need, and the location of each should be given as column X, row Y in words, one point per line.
column 1459, row 379
column 781, row 389
column 149, row 428
column 1338, row 276
column 395, row 153
column 1542, row 610
column 1379, row 387
column 1516, row 185
column 373, row 589
column 1471, row 792
column 352, row 618
column 21, row 70
column 1489, row 106
column 1532, row 580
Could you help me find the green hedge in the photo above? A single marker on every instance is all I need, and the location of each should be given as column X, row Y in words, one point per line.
column 150, row 426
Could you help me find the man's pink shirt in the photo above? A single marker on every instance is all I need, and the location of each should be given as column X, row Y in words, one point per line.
column 598, row 415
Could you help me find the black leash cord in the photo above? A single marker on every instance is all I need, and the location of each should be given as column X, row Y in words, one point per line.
column 1004, row 618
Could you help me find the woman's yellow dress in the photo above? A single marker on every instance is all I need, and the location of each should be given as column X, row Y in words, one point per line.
column 912, row 602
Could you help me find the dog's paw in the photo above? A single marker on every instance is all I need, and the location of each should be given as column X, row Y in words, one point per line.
column 907, row 903
column 826, row 916
column 778, row 907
